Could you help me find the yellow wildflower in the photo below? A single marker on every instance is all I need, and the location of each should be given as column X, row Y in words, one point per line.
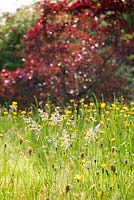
column 103, row 166
column 85, row 105
column 82, row 161
column 102, row 122
column 101, row 131
column 5, row 113
column 91, row 104
column 14, row 103
column 103, row 105
column 126, row 108
column 126, row 124
column 113, row 139
column 14, row 113
column 23, row 112
column 39, row 126
column 113, row 105
column 71, row 100
column 78, row 177
column 100, row 193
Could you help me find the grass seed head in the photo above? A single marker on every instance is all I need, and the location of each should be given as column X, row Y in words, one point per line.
column 30, row 150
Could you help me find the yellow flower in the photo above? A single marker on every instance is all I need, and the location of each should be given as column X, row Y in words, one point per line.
column 100, row 193
column 14, row 103
column 1, row 135
column 23, row 112
column 101, row 131
column 91, row 104
column 39, row 126
column 103, row 166
column 71, row 100
column 82, row 161
column 68, row 112
column 125, row 108
column 78, row 177
column 63, row 117
column 132, row 103
column 113, row 105
column 103, row 105
column 108, row 120
column 113, row 139
column 85, row 105
column 102, row 123
column 126, row 124
column 5, row 113
column 14, row 113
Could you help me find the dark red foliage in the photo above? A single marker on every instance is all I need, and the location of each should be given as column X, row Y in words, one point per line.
column 72, row 51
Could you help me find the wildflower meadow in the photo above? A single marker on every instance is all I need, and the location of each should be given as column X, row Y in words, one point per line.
column 81, row 152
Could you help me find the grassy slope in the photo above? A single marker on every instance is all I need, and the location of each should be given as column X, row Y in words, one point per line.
column 68, row 156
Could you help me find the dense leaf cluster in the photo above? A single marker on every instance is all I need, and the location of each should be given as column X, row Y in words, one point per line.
column 72, row 51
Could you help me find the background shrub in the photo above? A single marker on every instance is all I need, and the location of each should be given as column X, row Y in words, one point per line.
column 66, row 56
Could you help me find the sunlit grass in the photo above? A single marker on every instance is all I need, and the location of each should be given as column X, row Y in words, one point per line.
column 77, row 153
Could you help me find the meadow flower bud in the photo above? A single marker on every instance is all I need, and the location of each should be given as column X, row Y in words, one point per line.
column 21, row 140
column 30, row 150
column 113, row 167
column 114, row 149
column 68, row 188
